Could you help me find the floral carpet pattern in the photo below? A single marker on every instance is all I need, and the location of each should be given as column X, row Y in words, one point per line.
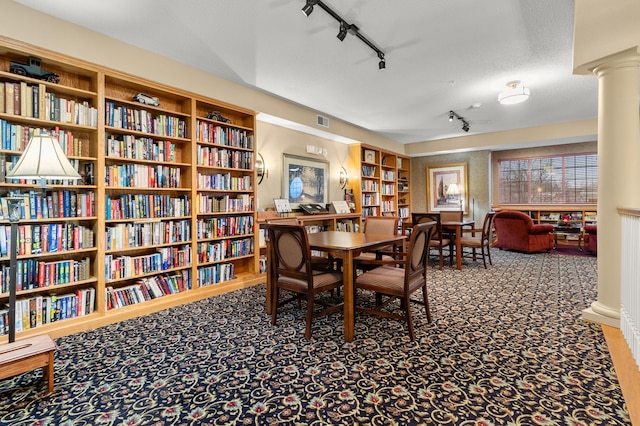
column 506, row 347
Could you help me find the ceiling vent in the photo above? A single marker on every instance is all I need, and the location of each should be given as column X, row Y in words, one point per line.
column 323, row 121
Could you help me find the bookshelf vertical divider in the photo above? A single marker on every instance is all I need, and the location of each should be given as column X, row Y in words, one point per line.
column 146, row 252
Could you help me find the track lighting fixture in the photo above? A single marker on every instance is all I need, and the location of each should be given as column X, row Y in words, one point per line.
column 382, row 64
column 343, row 31
column 308, row 7
column 465, row 123
column 344, row 28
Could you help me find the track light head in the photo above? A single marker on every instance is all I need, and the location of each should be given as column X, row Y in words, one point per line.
column 382, row 64
column 308, row 7
column 465, row 126
column 451, row 115
column 343, row 30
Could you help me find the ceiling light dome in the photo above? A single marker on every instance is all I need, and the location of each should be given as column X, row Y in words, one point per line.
column 515, row 94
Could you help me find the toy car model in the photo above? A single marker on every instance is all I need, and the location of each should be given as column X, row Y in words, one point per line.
column 215, row 115
column 32, row 69
column 146, row 99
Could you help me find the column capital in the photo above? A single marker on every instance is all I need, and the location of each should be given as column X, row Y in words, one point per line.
column 629, row 58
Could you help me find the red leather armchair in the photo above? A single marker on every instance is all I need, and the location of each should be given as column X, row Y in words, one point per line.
column 591, row 238
column 516, row 231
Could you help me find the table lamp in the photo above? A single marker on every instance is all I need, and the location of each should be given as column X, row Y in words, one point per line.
column 453, row 189
column 42, row 159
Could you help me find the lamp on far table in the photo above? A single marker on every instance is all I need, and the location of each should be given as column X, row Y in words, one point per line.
column 453, row 189
column 42, row 159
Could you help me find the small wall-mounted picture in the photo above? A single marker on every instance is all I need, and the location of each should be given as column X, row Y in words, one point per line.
column 369, row 156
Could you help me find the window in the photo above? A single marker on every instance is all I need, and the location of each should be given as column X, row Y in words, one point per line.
column 565, row 179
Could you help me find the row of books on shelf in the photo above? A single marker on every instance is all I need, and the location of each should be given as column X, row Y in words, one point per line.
column 216, row 134
column 388, row 175
column 369, row 211
column 129, row 118
column 147, row 149
column 129, row 235
column 370, row 185
column 224, row 204
column 142, row 176
column 37, row 311
column 388, row 206
column 368, row 171
column 225, row 249
column 148, row 288
column 388, row 189
column 371, row 199
column 145, row 206
column 120, row 267
column 215, row 274
column 15, row 137
column 347, row 225
column 46, row 238
column 225, row 182
column 33, row 101
column 52, row 205
column 403, row 212
column 228, row 158
column 33, row 274
column 229, row 226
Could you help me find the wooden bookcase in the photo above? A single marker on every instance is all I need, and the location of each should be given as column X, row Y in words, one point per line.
column 384, row 181
column 164, row 214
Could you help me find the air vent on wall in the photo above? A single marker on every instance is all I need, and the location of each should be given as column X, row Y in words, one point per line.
column 323, row 121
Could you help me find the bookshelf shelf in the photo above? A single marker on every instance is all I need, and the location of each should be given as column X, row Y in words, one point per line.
column 142, row 173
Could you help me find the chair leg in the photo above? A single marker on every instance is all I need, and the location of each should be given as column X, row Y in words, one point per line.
column 484, row 258
column 275, row 293
column 407, row 309
column 425, row 298
column 307, row 332
column 441, row 256
column 489, row 255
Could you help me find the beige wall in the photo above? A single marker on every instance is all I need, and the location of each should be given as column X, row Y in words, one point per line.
column 478, row 180
column 274, row 140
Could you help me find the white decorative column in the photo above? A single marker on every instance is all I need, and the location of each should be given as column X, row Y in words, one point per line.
column 619, row 174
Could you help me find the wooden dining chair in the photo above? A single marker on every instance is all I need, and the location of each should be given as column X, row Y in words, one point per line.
column 474, row 240
column 293, row 272
column 400, row 278
column 387, row 225
column 438, row 241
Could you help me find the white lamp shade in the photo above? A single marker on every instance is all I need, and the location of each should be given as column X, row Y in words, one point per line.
column 43, row 159
column 452, row 189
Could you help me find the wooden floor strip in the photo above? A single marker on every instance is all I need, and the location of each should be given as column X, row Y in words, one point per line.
column 626, row 369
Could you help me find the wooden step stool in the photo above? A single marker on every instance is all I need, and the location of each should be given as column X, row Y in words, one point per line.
column 26, row 355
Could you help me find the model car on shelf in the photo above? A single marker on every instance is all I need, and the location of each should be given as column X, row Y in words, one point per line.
column 146, row 99
column 33, row 69
column 215, row 115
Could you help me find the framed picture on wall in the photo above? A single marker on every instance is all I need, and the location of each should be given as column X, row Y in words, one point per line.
column 305, row 180
column 447, row 187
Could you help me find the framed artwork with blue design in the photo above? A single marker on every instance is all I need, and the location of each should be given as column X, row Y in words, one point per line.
column 305, row 180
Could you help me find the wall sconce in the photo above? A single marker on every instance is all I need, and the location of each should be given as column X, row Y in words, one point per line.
column 344, row 178
column 261, row 168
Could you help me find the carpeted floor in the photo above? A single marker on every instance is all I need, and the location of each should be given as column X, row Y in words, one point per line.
column 506, row 347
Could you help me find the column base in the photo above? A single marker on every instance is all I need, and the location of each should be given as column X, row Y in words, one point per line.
column 602, row 315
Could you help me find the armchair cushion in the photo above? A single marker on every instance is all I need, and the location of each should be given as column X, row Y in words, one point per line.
column 516, row 231
column 591, row 238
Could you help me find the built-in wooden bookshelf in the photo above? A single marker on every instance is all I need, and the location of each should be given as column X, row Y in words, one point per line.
column 384, row 181
column 164, row 213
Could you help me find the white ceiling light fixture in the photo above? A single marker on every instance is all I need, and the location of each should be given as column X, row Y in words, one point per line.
column 515, row 93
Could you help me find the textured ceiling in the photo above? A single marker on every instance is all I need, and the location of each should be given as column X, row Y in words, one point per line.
column 441, row 55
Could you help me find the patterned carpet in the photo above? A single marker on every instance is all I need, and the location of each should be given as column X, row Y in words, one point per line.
column 507, row 347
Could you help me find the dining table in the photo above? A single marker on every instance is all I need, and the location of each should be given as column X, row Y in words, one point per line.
column 348, row 245
column 455, row 228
